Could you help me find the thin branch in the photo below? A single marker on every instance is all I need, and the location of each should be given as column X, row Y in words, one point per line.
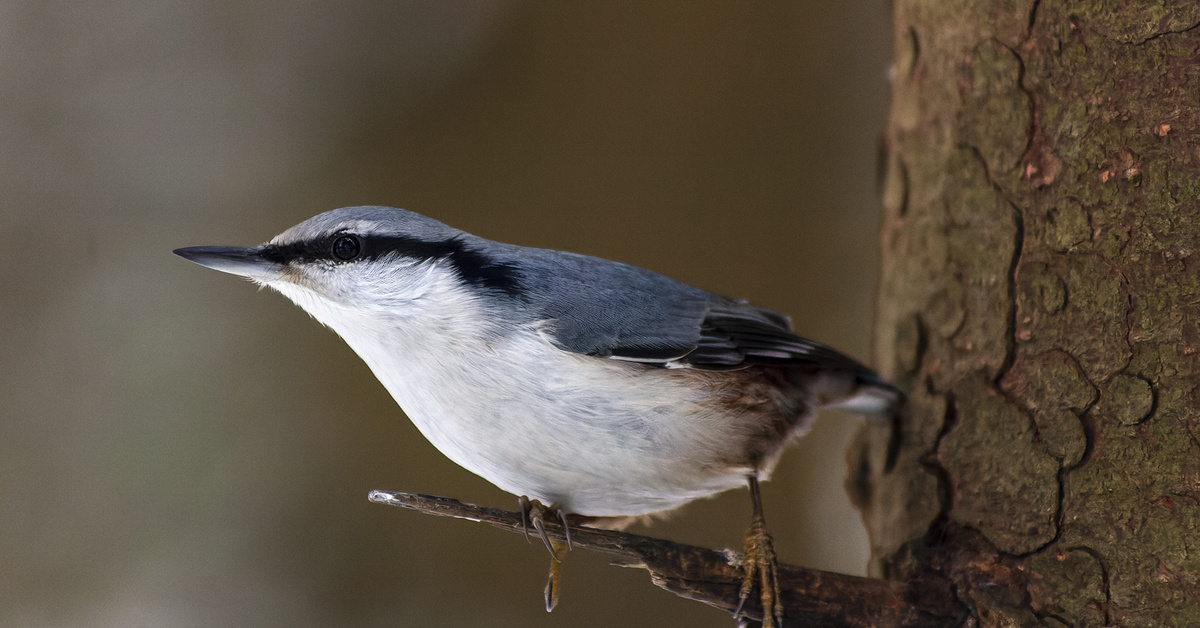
column 810, row 597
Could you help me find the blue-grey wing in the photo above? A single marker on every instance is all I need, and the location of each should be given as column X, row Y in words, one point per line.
column 606, row 309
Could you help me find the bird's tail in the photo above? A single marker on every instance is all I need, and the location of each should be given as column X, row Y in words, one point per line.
column 867, row 394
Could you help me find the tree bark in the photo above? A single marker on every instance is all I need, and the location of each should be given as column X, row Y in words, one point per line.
column 1040, row 302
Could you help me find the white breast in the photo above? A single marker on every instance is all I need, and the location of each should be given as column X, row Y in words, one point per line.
column 589, row 435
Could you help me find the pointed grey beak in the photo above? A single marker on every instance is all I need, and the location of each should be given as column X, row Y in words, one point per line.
column 235, row 260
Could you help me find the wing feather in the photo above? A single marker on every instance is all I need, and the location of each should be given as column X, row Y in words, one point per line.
column 611, row 310
column 735, row 334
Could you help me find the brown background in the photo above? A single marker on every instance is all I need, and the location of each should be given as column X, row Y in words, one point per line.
column 179, row 450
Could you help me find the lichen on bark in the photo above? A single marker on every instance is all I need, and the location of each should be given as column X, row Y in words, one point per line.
column 1040, row 301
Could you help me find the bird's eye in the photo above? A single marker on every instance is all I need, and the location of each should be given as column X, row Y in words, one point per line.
column 346, row 248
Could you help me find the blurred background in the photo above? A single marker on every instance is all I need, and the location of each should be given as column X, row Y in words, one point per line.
column 180, row 449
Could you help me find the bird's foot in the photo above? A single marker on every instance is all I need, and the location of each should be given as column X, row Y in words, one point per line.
column 761, row 570
column 536, row 514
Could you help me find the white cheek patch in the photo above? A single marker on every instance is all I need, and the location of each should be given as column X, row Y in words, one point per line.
column 389, row 288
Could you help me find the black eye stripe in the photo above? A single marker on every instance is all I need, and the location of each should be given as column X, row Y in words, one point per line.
column 305, row 252
column 473, row 266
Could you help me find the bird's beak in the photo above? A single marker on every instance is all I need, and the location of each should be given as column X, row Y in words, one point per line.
column 236, row 260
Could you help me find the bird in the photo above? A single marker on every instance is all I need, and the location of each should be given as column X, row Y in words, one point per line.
column 591, row 389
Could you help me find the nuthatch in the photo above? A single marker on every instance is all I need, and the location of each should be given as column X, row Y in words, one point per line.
column 599, row 389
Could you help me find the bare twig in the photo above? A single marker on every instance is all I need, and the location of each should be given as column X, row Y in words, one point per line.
column 810, row 597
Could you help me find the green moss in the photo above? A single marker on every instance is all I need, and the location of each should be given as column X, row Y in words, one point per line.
column 1068, row 583
column 1004, row 484
column 997, row 108
column 1186, row 189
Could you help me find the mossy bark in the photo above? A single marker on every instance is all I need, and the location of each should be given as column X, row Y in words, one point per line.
column 1040, row 302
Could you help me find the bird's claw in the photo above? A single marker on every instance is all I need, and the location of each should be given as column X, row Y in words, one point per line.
column 562, row 520
column 540, row 526
column 524, row 507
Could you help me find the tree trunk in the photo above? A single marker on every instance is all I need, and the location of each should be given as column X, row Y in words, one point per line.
column 1040, row 303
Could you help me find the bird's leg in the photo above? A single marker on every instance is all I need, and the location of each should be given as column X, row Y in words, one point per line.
column 551, row 591
column 760, row 565
column 533, row 512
